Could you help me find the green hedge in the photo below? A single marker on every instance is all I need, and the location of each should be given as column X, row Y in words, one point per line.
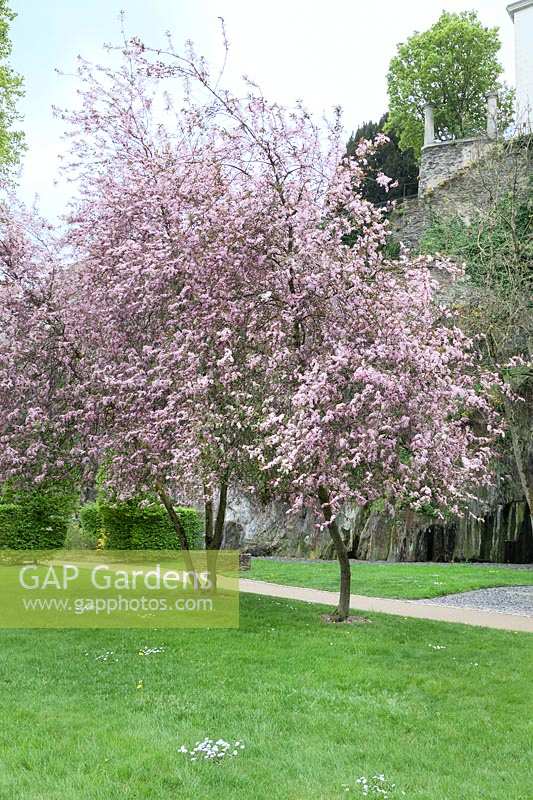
column 91, row 523
column 36, row 519
column 130, row 526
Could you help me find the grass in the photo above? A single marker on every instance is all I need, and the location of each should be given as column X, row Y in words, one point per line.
column 317, row 706
column 408, row 581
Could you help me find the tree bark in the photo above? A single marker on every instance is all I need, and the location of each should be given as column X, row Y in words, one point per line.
column 343, row 609
column 220, row 520
column 208, row 520
column 214, row 543
column 178, row 527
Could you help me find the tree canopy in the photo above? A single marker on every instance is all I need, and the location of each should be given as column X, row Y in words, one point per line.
column 453, row 65
column 203, row 318
column 11, row 141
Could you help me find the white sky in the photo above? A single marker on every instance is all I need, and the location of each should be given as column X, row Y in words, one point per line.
column 327, row 53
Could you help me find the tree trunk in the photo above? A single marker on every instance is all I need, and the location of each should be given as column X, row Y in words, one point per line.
column 214, row 542
column 208, row 505
column 343, row 609
column 220, row 520
column 178, row 527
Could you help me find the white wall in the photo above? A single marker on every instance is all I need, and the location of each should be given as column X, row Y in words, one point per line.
column 522, row 13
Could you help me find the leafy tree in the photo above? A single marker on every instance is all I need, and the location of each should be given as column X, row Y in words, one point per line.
column 389, row 159
column 452, row 65
column 11, row 141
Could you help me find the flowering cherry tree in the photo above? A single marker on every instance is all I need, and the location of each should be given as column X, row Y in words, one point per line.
column 241, row 308
column 370, row 389
column 392, row 406
column 38, row 356
column 169, row 247
column 235, row 317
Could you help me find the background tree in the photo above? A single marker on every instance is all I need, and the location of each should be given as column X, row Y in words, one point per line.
column 452, row 65
column 389, row 159
column 11, row 141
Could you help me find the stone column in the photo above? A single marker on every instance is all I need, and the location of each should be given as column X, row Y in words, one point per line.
column 429, row 125
column 492, row 110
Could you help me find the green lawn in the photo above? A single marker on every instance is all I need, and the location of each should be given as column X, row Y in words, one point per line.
column 412, row 581
column 443, row 711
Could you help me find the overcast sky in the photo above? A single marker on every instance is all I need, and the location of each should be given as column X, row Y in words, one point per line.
column 327, row 53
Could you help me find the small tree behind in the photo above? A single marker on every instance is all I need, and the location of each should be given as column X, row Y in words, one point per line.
column 38, row 359
column 388, row 159
column 453, row 65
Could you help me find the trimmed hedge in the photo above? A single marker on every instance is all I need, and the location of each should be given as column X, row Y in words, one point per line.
column 130, row 526
column 10, row 523
column 36, row 519
column 193, row 523
column 91, row 523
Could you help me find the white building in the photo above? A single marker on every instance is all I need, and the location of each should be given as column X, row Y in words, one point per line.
column 521, row 12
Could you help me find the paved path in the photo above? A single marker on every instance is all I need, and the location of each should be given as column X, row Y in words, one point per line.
column 404, row 608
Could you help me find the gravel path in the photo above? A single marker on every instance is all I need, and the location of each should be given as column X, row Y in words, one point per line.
column 506, row 599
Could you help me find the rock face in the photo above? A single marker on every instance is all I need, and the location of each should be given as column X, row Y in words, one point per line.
column 502, row 535
column 264, row 529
